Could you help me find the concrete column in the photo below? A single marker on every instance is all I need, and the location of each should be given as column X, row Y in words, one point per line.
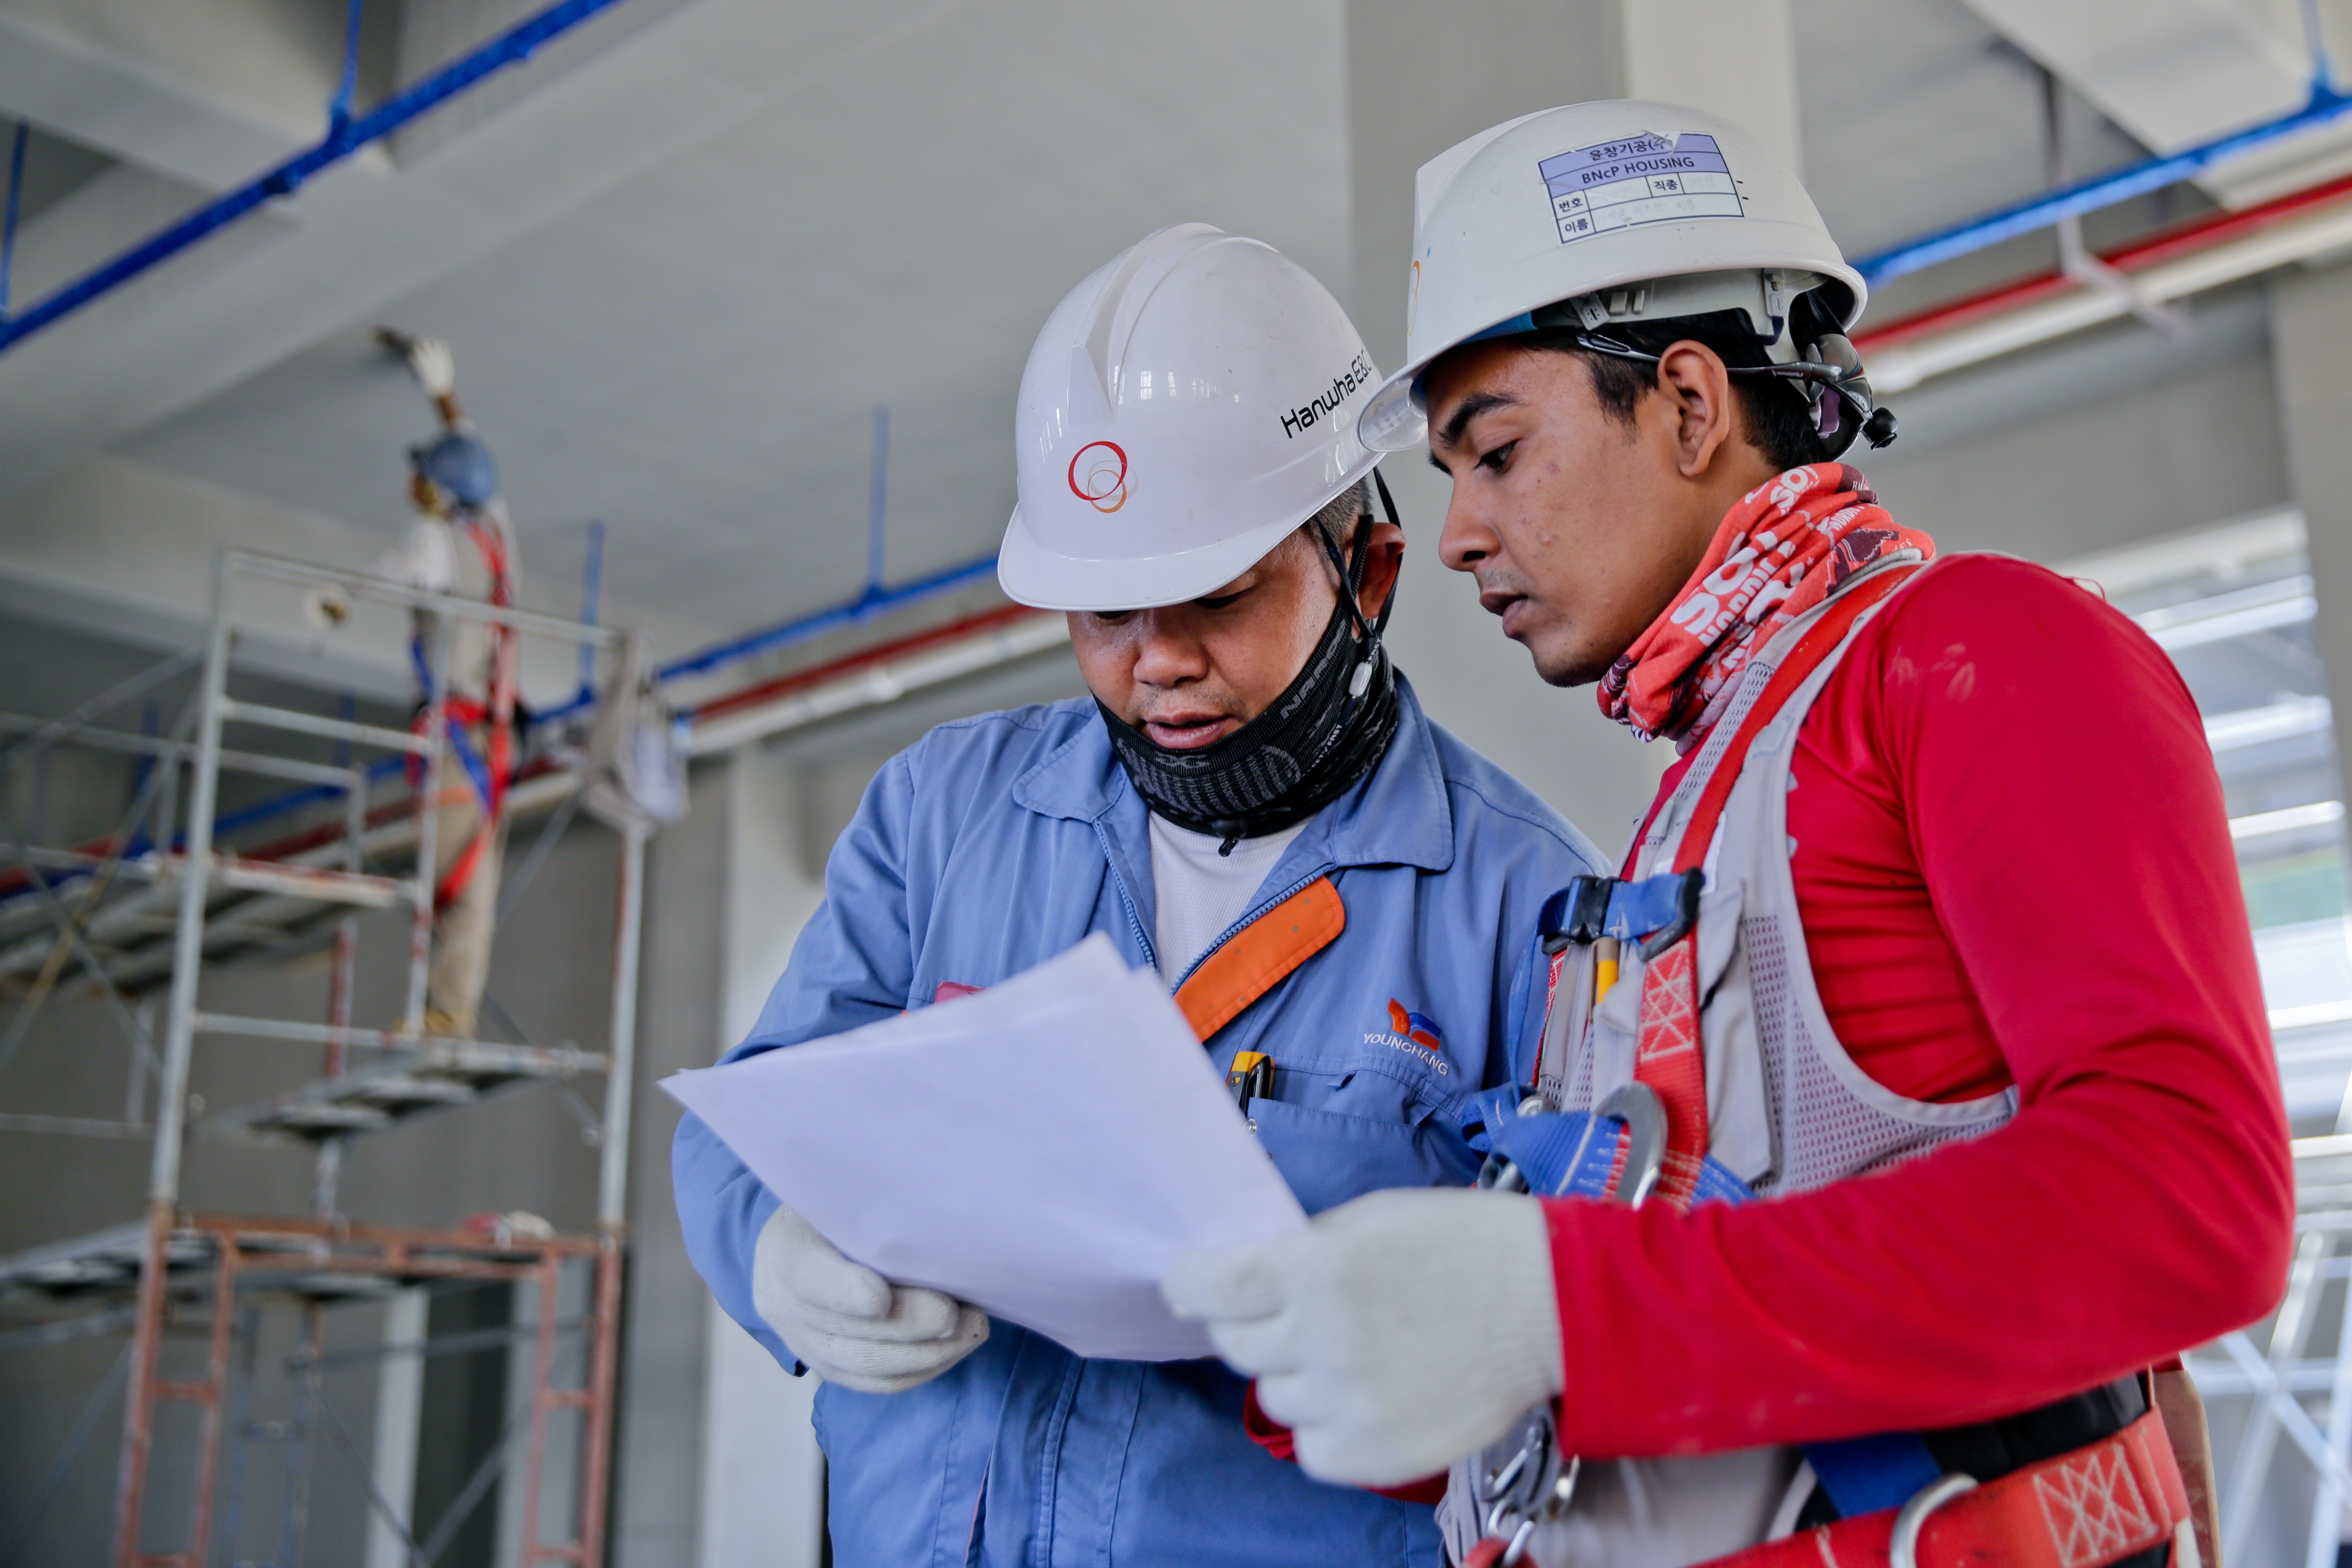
column 664, row 1348
column 2311, row 336
column 1421, row 77
column 762, row 1475
column 1733, row 58
column 399, row 1400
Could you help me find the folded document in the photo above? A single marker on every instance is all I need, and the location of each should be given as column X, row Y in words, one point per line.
column 1043, row 1150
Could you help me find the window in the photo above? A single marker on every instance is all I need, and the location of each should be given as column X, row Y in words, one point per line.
column 2233, row 605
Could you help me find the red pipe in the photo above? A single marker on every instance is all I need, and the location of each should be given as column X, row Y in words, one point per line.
column 2199, row 235
column 880, row 653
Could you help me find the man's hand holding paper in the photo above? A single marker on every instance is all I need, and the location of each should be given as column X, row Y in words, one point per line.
column 1041, row 1150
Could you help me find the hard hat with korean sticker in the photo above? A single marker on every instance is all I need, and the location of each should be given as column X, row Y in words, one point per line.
column 1612, row 212
column 1184, row 409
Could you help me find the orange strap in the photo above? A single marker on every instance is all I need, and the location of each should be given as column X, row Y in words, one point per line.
column 1256, row 961
column 2096, row 1505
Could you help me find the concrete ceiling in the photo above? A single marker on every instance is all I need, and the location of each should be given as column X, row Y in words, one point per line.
column 683, row 268
column 693, row 354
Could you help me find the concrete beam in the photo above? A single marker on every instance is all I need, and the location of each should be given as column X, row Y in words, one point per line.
column 2177, row 72
column 125, row 550
column 208, row 91
column 358, row 240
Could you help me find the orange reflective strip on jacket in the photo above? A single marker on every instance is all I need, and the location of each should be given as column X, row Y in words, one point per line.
column 1260, row 955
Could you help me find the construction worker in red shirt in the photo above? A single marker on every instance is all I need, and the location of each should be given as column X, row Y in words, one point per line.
column 1906, row 1103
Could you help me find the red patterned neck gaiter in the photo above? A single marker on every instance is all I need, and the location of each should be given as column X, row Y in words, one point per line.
column 1782, row 550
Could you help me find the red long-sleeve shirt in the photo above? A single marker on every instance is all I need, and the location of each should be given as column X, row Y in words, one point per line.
column 2013, row 865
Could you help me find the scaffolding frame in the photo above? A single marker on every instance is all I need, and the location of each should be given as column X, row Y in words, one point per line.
column 173, row 1262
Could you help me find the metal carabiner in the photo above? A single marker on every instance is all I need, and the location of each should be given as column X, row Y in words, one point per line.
column 1902, row 1548
column 1637, row 1106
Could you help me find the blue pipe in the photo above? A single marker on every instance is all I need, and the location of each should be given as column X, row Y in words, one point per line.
column 9, row 224
column 339, row 107
column 2325, row 107
column 874, row 602
column 591, row 593
column 510, row 47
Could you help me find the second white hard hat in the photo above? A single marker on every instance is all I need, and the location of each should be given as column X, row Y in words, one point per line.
column 1186, row 406
column 1629, row 210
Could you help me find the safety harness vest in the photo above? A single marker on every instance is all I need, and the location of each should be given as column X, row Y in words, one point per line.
column 1686, row 1057
column 490, row 770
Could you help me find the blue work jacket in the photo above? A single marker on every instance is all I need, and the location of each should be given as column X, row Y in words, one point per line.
column 992, row 844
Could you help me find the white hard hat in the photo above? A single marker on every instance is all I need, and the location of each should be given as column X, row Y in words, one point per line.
column 1631, row 211
column 1185, row 408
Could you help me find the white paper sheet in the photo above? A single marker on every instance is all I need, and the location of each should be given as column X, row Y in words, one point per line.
column 1043, row 1150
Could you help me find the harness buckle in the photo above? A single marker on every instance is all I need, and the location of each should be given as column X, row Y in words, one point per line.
column 1902, row 1549
column 1529, row 1488
column 1644, row 1114
column 1685, row 919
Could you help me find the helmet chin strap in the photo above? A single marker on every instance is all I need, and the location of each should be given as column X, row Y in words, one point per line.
column 1352, row 583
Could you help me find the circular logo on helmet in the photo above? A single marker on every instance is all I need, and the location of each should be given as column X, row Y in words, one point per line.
column 1098, row 475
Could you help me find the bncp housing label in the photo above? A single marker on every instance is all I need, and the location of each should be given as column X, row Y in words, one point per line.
column 1642, row 179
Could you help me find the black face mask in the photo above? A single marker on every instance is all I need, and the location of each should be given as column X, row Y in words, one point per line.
column 1329, row 729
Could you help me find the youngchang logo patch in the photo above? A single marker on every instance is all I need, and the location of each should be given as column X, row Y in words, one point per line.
column 1415, row 1032
column 1344, row 386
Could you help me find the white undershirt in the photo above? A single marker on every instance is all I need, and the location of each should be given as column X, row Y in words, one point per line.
column 1196, row 893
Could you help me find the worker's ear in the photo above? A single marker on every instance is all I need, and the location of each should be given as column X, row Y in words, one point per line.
column 1695, row 392
column 1386, row 559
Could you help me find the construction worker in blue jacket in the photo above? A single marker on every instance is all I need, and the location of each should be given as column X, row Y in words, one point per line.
column 1342, row 896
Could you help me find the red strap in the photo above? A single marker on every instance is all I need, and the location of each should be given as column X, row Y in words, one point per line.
column 1814, row 646
column 2086, row 1508
column 1668, row 1055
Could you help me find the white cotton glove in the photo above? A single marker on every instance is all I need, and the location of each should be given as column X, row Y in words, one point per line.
column 848, row 1323
column 434, row 367
column 1395, row 1334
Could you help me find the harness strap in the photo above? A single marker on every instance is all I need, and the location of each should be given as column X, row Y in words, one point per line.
column 1668, row 1054
column 2096, row 1505
column 1261, row 955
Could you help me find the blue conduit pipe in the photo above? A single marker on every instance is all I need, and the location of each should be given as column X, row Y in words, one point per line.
column 2325, row 107
column 510, row 47
column 339, row 107
column 874, row 602
column 592, row 594
column 8, row 222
